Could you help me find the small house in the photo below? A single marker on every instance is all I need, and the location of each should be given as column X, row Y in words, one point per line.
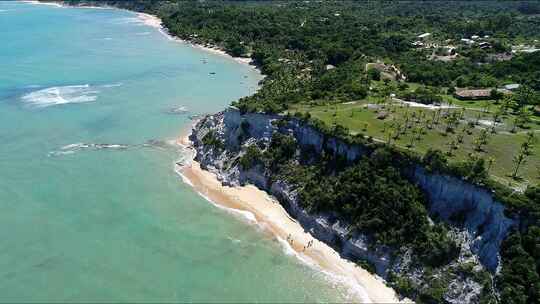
column 476, row 94
column 512, row 86
column 484, row 45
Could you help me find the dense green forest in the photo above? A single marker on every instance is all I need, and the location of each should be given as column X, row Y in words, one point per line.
column 318, row 52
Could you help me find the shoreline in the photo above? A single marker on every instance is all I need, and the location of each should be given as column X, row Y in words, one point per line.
column 156, row 22
column 260, row 208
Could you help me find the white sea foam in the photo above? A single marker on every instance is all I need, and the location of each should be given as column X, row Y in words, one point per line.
column 59, row 153
column 33, row 86
column 354, row 290
column 43, row 3
column 72, row 148
column 234, row 240
column 242, row 213
column 129, row 20
column 353, row 287
column 186, row 180
column 60, row 95
column 177, row 110
column 113, row 85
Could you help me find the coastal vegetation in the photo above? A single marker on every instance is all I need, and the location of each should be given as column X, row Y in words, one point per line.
column 406, row 76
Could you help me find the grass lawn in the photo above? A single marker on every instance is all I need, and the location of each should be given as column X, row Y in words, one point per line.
column 361, row 117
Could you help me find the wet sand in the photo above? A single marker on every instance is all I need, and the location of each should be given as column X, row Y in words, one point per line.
column 268, row 213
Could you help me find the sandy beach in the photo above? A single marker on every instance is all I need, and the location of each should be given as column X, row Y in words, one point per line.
column 269, row 214
column 156, row 22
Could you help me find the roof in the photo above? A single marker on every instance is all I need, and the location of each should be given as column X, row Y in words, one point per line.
column 473, row 93
column 424, row 35
column 511, row 86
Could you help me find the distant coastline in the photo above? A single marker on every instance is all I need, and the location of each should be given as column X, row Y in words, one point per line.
column 155, row 22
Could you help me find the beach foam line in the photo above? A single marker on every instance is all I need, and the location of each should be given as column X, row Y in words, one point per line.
column 353, row 287
column 156, row 22
column 271, row 216
column 242, row 213
column 186, row 180
column 355, row 290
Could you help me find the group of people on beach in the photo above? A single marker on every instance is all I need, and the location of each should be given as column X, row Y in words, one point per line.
column 290, row 240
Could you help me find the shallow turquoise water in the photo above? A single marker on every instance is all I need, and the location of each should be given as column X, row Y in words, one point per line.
column 80, row 223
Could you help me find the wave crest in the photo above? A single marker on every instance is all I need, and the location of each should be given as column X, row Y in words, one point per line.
column 60, row 95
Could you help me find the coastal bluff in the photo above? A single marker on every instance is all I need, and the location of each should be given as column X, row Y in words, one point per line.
column 481, row 228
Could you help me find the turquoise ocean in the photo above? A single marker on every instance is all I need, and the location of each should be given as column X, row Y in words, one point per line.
column 91, row 208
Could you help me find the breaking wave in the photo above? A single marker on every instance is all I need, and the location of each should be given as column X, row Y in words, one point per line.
column 76, row 147
column 128, row 20
column 113, row 85
column 60, row 95
column 72, row 148
column 177, row 110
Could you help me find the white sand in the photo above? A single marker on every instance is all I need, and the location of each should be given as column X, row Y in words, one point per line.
column 156, row 22
column 150, row 20
column 268, row 213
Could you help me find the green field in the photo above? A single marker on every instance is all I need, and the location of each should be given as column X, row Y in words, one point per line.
column 365, row 117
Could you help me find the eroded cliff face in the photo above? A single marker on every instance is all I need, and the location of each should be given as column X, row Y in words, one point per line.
column 481, row 222
column 328, row 227
column 474, row 207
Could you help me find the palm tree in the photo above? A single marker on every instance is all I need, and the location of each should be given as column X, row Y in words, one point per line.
column 524, row 151
column 491, row 161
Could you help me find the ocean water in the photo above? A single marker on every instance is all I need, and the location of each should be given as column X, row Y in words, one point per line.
column 90, row 206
